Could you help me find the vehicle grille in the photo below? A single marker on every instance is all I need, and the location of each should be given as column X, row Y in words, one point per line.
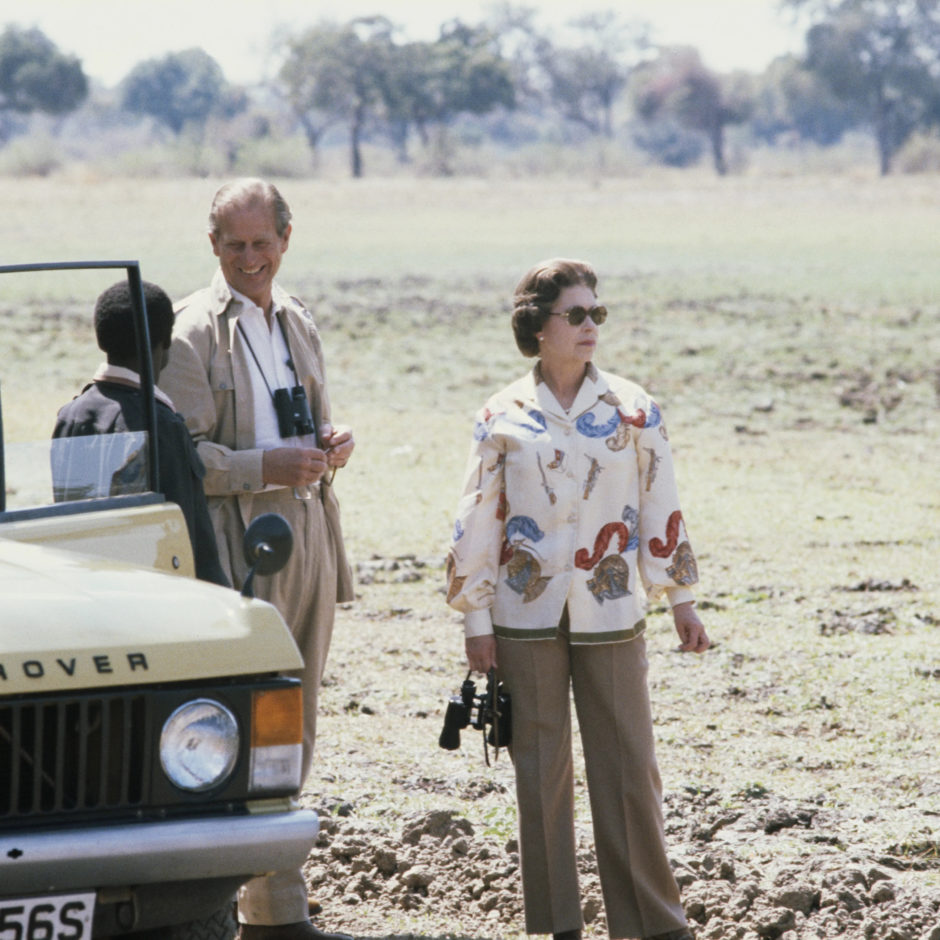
column 73, row 755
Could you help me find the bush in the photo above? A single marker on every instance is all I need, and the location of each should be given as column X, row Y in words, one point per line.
column 921, row 154
column 36, row 155
column 669, row 144
column 269, row 157
column 163, row 161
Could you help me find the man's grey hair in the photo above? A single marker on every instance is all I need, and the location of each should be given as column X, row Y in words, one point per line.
column 248, row 191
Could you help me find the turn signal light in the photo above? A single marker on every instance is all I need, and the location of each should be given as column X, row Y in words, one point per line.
column 277, row 725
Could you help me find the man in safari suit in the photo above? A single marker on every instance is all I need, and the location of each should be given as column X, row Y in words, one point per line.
column 235, row 344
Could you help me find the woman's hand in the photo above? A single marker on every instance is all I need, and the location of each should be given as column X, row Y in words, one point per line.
column 481, row 653
column 691, row 631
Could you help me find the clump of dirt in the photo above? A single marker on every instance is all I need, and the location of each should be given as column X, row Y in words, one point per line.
column 400, row 570
column 875, row 622
column 436, row 861
column 367, row 878
column 872, row 396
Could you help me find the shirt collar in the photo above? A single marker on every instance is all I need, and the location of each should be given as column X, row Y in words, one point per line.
column 121, row 376
column 593, row 387
column 248, row 304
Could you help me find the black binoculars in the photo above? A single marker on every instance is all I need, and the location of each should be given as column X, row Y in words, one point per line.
column 293, row 412
column 489, row 713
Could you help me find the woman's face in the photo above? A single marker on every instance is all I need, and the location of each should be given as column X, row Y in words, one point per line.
column 563, row 343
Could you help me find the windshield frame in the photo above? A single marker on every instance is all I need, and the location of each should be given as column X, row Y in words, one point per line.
column 142, row 334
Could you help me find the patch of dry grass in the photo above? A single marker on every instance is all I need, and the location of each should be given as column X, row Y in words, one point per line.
column 791, row 332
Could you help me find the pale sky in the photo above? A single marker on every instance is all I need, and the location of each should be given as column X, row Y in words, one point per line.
column 112, row 36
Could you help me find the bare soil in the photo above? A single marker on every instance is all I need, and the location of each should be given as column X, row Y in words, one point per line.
column 789, row 330
column 420, row 842
column 799, row 755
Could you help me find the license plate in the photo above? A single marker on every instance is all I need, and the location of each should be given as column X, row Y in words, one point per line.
column 48, row 917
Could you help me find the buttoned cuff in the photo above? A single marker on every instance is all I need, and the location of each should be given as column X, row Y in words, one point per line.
column 246, row 471
column 478, row 623
column 230, row 472
column 679, row 595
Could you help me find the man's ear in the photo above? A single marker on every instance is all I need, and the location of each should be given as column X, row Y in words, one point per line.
column 285, row 238
column 215, row 244
column 159, row 357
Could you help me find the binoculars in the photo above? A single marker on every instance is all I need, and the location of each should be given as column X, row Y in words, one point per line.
column 293, row 412
column 488, row 712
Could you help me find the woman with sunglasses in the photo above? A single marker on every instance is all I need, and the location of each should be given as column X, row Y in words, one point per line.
column 569, row 516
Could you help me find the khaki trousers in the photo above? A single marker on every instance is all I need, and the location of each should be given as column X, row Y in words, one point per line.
column 641, row 897
column 305, row 594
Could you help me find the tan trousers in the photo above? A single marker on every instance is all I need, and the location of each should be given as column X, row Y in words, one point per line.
column 641, row 897
column 305, row 593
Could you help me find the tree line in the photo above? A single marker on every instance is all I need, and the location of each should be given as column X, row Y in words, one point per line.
column 868, row 65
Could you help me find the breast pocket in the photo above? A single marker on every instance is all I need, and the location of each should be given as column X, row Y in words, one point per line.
column 222, row 387
column 221, row 378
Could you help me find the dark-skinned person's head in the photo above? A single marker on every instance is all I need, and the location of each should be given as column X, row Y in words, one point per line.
column 114, row 324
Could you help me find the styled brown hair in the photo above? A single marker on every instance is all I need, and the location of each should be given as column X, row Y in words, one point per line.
column 536, row 294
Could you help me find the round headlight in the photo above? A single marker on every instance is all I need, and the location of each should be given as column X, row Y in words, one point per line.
column 199, row 745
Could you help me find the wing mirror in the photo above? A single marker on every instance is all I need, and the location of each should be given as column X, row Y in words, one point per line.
column 268, row 544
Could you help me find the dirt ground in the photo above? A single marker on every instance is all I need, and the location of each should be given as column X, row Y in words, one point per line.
column 789, row 330
column 420, row 842
column 799, row 755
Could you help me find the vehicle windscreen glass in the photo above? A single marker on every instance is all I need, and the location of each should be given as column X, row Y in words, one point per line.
column 96, row 466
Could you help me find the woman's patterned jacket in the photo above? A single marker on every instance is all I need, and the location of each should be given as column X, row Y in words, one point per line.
column 568, row 507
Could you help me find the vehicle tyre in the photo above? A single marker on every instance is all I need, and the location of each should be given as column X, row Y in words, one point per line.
column 220, row 925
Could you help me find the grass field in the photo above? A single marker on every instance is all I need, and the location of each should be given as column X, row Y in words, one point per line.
column 790, row 329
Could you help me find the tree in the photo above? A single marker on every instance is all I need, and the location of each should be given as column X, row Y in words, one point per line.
column 522, row 44
column 180, row 89
column 677, row 85
column 35, row 76
column 335, row 73
column 792, row 100
column 431, row 83
column 358, row 74
column 585, row 81
column 468, row 73
column 882, row 57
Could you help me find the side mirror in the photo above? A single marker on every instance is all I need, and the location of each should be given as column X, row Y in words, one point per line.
column 268, row 544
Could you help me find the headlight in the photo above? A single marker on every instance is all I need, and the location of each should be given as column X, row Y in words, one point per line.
column 199, row 745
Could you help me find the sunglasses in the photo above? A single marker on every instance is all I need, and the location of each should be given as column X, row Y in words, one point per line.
column 576, row 315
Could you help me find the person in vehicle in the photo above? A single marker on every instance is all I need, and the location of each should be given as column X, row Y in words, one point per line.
column 112, row 404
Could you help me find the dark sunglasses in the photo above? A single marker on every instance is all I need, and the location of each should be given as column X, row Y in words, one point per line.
column 576, row 315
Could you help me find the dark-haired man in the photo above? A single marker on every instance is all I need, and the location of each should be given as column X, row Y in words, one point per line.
column 112, row 404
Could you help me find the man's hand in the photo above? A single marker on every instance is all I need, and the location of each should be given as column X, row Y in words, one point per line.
column 293, row 466
column 691, row 631
column 481, row 653
column 338, row 443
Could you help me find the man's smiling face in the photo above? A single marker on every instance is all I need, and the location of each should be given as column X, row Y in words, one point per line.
column 249, row 250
